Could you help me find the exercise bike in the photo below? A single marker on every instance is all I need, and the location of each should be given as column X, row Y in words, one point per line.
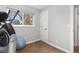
column 7, row 33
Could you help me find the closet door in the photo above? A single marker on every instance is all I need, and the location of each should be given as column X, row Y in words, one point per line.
column 44, row 25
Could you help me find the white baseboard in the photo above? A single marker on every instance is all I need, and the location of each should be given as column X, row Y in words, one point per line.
column 62, row 49
column 32, row 41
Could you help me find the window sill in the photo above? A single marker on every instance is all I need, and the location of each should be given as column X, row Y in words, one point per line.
column 23, row 25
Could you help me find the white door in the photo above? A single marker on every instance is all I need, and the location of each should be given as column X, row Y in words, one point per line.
column 44, row 25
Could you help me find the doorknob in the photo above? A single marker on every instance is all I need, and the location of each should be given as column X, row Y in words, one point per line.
column 45, row 28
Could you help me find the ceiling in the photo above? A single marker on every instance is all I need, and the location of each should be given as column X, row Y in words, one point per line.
column 40, row 7
column 34, row 9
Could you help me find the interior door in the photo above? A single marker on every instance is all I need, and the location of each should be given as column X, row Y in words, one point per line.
column 44, row 25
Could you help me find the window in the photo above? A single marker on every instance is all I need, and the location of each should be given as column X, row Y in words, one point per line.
column 21, row 18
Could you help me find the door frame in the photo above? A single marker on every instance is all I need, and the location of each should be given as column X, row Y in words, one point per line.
column 75, row 19
column 72, row 28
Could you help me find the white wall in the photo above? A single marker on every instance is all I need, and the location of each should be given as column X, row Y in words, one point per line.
column 59, row 26
column 29, row 33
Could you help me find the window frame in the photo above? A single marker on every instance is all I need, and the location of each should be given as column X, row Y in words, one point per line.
column 33, row 24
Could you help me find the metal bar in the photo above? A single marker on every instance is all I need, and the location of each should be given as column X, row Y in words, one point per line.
column 15, row 15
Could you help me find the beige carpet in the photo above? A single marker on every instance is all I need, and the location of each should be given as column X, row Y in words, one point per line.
column 39, row 47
